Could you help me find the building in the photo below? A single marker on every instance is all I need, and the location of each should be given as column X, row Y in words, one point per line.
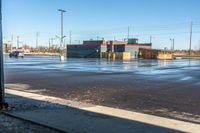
column 89, row 49
column 95, row 48
column 155, row 54
column 7, row 48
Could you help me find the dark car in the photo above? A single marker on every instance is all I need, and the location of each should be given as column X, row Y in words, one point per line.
column 17, row 54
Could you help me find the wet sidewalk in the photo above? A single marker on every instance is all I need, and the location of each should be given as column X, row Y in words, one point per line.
column 70, row 116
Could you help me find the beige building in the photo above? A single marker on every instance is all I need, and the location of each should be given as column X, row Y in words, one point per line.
column 155, row 54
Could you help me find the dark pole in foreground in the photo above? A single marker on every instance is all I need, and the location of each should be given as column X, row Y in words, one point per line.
column 2, row 100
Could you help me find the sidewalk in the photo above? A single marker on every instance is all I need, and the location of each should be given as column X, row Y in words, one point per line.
column 9, row 124
column 72, row 116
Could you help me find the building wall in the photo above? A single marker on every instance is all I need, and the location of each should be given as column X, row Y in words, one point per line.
column 119, row 48
column 134, row 50
column 7, row 48
column 75, row 51
column 116, row 55
column 155, row 54
column 94, row 42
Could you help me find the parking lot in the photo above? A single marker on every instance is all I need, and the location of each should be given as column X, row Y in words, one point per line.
column 169, row 88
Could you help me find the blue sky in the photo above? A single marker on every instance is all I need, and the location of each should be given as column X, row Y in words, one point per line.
column 89, row 19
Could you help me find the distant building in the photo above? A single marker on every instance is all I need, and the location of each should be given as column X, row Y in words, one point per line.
column 7, row 48
column 89, row 49
column 95, row 48
column 155, row 54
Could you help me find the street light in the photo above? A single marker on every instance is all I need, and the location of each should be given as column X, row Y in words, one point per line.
column 61, row 33
column 172, row 44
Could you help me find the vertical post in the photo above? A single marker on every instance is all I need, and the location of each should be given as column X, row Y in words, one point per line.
column 70, row 37
column 49, row 44
column 150, row 39
column 128, row 34
column 61, row 33
column 172, row 44
column 36, row 41
column 199, row 45
column 61, row 36
column 11, row 43
column 17, row 41
column 2, row 100
column 190, row 47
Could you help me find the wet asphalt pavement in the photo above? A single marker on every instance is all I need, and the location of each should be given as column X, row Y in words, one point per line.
column 165, row 88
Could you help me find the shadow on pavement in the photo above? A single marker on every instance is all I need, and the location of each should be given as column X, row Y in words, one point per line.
column 71, row 119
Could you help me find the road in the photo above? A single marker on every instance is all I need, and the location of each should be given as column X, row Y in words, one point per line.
column 164, row 88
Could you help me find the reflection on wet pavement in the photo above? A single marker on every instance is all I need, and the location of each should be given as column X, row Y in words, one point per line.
column 164, row 68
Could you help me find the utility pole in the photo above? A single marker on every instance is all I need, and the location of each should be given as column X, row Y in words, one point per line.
column 150, row 39
column 172, row 44
column 61, row 33
column 49, row 44
column 52, row 41
column 128, row 34
column 17, row 41
column 70, row 37
column 199, row 45
column 190, row 47
column 11, row 43
column 36, row 40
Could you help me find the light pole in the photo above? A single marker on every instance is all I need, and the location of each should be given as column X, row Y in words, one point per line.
column 61, row 33
column 172, row 44
column 17, row 41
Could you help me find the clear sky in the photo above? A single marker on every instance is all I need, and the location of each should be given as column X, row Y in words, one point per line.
column 89, row 19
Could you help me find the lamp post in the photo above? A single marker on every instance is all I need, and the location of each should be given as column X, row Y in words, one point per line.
column 61, row 33
column 172, row 44
column 62, row 52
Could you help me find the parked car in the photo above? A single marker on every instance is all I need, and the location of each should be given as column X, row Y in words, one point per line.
column 17, row 54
